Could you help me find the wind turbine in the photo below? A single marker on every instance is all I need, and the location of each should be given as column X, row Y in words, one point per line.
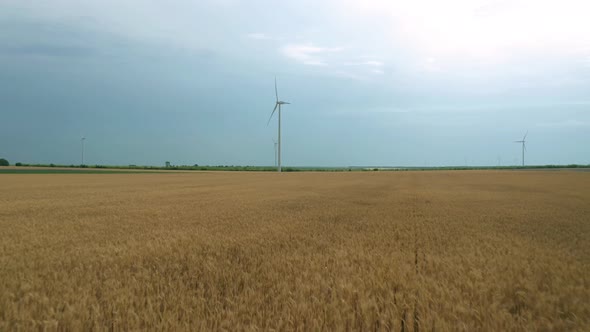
column 83, row 139
column 278, row 105
column 523, row 146
column 275, row 144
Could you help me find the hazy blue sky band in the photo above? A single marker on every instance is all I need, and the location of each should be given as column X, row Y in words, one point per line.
column 192, row 82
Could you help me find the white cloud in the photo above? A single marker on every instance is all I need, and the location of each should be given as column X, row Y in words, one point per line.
column 565, row 123
column 367, row 66
column 370, row 63
column 496, row 30
column 349, row 75
column 334, row 60
column 309, row 54
column 373, row 63
column 430, row 64
column 389, row 110
column 581, row 102
column 258, row 36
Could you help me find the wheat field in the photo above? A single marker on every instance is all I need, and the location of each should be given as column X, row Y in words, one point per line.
column 378, row 251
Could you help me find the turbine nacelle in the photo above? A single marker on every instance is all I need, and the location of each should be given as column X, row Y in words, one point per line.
column 277, row 104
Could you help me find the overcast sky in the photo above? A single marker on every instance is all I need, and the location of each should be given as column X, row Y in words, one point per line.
column 372, row 82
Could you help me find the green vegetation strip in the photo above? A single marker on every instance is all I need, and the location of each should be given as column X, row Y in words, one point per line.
column 66, row 171
column 104, row 169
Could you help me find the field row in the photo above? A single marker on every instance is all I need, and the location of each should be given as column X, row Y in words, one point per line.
column 477, row 250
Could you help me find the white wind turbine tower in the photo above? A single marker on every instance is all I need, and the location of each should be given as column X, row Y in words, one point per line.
column 82, row 140
column 278, row 105
column 275, row 144
column 523, row 141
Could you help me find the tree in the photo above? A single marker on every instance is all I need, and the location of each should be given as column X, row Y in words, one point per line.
column 4, row 162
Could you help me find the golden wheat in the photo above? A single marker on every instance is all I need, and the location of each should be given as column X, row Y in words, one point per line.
column 409, row 251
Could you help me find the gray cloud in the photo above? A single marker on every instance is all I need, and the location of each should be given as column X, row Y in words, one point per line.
column 48, row 50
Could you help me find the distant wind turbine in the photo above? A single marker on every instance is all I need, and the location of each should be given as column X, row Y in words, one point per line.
column 278, row 105
column 83, row 139
column 275, row 144
column 523, row 141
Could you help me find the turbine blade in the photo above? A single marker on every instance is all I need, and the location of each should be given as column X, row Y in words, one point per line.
column 271, row 114
column 524, row 146
column 276, row 90
column 527, row 132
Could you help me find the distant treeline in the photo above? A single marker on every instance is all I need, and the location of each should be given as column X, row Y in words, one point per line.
column 303, row 169
column 170, row 168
